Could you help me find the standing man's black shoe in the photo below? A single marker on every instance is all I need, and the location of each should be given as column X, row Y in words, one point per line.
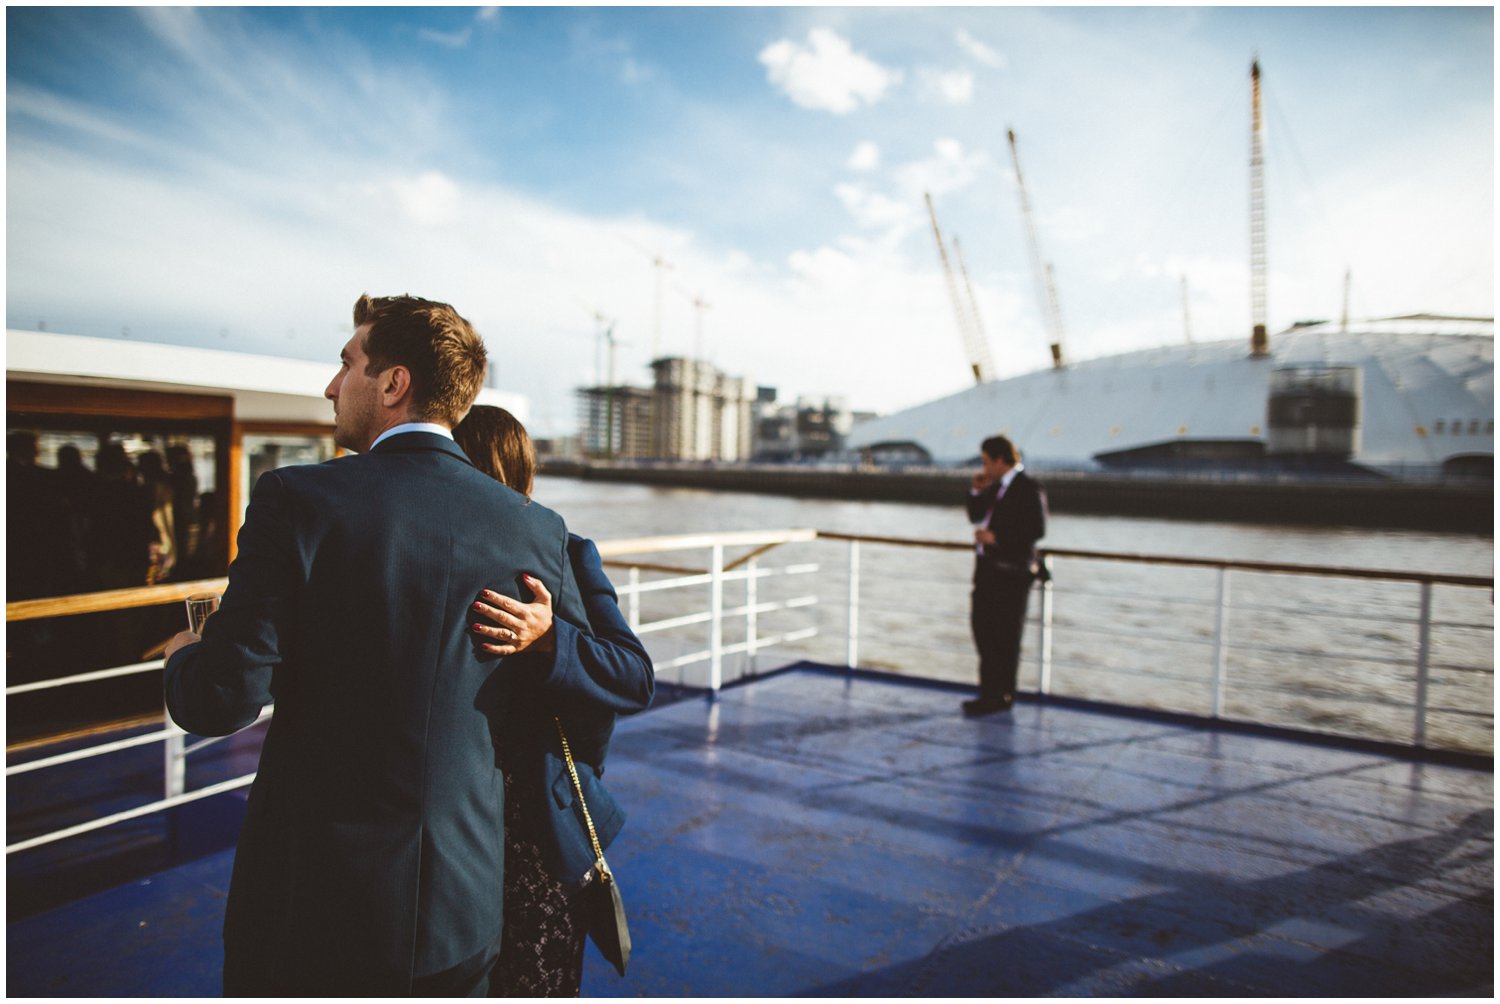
column 986, row 706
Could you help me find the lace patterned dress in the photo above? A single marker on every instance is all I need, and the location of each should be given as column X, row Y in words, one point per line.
column 541, row 948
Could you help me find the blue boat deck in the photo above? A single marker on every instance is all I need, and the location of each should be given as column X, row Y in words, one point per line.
column 814, row 834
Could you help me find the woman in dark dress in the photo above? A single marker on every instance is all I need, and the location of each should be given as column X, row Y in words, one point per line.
column 604, row 674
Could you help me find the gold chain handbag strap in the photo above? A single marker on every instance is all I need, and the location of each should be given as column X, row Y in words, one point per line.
column 573, row 772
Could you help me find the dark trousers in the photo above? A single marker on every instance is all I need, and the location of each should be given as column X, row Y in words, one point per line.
column 998, row 616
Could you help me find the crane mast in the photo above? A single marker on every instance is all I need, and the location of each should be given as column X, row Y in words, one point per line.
column 1260, row 343
column 1046, row 289
column 974, row 344
column 979, row 350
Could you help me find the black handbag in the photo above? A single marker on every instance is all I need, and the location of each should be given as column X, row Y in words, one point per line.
column 602, row 908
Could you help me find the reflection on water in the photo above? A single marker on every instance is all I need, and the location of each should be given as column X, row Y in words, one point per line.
column 1336, row 655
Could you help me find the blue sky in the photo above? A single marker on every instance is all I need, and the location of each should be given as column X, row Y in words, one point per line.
column 236, row 177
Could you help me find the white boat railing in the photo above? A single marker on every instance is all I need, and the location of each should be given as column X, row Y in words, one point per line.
column 927, row 613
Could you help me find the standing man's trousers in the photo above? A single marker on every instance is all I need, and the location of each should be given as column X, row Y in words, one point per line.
column 998, row 617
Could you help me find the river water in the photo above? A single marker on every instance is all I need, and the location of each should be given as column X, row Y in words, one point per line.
column 1332, row 654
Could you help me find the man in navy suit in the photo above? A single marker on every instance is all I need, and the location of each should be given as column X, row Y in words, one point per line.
column 371, row 858
column 1009, row 513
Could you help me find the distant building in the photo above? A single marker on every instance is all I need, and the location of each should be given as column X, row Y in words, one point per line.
column 775, row 437
column 615, row 422
column 813, row 427
column 693, row 412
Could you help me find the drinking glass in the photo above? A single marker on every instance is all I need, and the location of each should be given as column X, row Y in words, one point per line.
column 199, row 606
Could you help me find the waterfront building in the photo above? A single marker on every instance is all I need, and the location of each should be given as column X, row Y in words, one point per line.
column 693, row 411
column 615, row 422
column 699, row 412
column 813, row 427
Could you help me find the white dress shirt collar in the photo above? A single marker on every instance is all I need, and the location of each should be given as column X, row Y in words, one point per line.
column 396, row 430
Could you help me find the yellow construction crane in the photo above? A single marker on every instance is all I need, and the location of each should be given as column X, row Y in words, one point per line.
column 1260, row 342
column 976, row 346
column 1043, row 271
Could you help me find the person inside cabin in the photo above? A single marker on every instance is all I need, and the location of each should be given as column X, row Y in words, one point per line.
column 34, row 528
column 372, row 856
column 548, row 854
column 77, row 488
column 184, row 484
column 164, row 553
column 1009, row 513
column 122, row 531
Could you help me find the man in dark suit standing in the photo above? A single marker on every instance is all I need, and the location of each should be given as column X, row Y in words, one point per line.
column 371, row 858
column 1009, row 513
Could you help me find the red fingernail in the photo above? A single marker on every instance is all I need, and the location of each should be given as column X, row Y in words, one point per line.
column 478, row 605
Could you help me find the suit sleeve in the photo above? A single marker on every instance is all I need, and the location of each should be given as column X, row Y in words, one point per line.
column 220, row 684
column 1033, row 522
column 980, row 502
column 608, row 669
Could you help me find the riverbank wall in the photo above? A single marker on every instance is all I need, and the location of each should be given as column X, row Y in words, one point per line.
column 1441, row 507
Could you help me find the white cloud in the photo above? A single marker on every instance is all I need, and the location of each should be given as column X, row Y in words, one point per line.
column 950, row 169
column 866, row 157
column 59, row 111
column 892, row 215
column 429, row 199
column 452, row 39
column 826, row 74
column 825, row 267
column 872, row 210
column 485, row 18
column 956, row 87
column 978, row 51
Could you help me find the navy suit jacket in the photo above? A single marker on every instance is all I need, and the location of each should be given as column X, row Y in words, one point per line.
column 1019, row 520
column 373, row 846
column 592, row 679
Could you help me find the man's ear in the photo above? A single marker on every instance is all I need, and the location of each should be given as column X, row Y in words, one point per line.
column 395, row 386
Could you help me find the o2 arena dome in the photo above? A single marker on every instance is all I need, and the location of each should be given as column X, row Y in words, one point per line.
column 1406, row 397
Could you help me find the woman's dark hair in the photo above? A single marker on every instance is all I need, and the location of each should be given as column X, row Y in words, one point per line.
column 497, row 443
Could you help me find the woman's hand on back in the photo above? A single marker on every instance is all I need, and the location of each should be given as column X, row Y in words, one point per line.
column 515, row 626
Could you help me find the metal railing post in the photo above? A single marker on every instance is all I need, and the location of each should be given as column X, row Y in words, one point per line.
column 633, row 605
column 751, row 596
column 1044, row 640
column 716, row 623
column 852, row 650
column 1221, row 643
column 1424, row 649
column 174, row 763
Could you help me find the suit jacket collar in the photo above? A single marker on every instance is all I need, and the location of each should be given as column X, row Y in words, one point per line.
column 407, row 442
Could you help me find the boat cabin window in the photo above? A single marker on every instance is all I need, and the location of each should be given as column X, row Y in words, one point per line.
column 269, row 451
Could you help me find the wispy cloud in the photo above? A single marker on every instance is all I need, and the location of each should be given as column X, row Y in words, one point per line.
column 865, row 157
column 55, row 110
column 826, row 74
column 633, row 71
column 484, row 18
column 956, row 87
column 949, row 169
column 452, row 39
column 978, row 51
